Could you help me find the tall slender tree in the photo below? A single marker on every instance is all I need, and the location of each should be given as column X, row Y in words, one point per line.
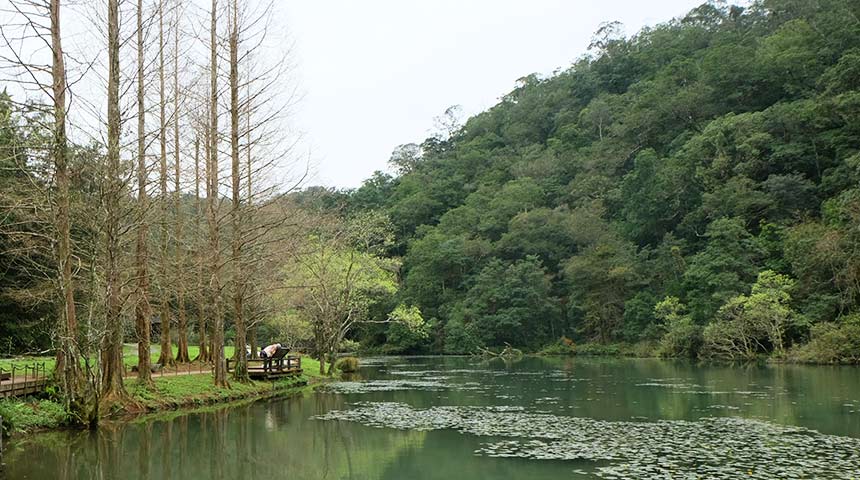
column 111, row 351
column 142, row 309
column 67, row 355
column 180, row 253
column 252, row 324
column 211, row 203
column 241, row 371
column 200, row 260
column 166, row 356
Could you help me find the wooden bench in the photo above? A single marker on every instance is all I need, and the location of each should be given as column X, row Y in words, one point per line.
column 5, row 376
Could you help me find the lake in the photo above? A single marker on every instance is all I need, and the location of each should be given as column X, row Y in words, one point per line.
column 464, row 418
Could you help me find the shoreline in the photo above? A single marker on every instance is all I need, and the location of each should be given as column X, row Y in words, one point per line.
column 173, row 394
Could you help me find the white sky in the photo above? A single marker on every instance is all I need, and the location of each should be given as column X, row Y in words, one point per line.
column 375, row 73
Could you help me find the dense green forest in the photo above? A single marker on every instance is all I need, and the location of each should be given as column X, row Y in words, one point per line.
column 691, row 190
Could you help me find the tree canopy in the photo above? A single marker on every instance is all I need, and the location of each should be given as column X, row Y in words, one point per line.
column 682, row 161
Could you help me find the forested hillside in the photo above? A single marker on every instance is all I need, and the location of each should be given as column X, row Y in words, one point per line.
column 693, row 187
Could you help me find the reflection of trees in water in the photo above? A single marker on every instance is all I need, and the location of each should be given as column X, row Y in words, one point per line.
column 182, row 423
column 246, row 461
column 506, row 361
column 167, row 448
column 276, row 438
column 110, row 447
column 144, row 452
column 219, row 423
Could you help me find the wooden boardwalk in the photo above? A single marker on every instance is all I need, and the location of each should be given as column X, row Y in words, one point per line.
column 32, row 379
column 25, row 380
column 271, row 369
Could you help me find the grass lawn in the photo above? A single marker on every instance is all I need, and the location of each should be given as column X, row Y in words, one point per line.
column 198, row 390
column 21, row 415
column 310, row 366
column 129, row 356
column 170, row 392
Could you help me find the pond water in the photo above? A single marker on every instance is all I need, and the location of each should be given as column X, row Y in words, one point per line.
column 463, row 418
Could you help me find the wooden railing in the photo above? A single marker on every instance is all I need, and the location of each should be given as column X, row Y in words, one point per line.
column 23, row 380
column 289, row 365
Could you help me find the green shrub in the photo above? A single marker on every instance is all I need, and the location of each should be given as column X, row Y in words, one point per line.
column 461, row 339
column 407, row 331
column 644, row 349
column 25, row 415
column 563, row 346
column 347, row 365
column 834, row 343
column 600, row 349
column 348, row 345
column 683, row 338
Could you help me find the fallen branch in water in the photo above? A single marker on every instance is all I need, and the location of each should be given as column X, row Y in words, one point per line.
column 508, row 352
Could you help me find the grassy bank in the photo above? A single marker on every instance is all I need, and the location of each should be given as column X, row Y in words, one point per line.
column 129, row 357
column 171, row 392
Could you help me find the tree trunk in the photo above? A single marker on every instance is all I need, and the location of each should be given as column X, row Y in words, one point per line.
column 166, row 356
column 331, row 362
column 111, row 352
column 241, row 371
column 252, row 330
column 214, row 244
column 182, row 333
column 142, row 310
column 203, row 355
column 67, row 368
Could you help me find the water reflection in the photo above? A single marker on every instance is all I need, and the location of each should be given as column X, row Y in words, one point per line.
column 277, row 439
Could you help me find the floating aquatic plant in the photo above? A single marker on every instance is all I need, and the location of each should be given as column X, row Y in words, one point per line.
column 715, row 448
column 372, row 386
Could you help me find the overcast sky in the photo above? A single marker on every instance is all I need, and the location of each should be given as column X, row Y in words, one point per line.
column 375, row 73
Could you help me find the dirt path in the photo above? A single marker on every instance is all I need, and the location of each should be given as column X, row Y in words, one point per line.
column 187, row 369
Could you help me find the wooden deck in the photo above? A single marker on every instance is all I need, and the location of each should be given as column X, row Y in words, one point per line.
column 260, row 369
column 25, row 380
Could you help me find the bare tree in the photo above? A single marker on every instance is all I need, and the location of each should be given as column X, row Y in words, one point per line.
column 241, row 371
column 142, row 311
column 182, row 325
column 111, row 352
column 67, row 354
column 166, row 356
column 203, row 355
column 257, row 93
column 211, row 201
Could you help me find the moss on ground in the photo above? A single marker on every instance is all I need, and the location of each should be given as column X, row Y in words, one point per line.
column 197, row 390
column 23, row 415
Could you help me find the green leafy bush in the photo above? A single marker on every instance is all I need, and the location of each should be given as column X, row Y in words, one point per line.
column 407, row 331
column 25, row 415
column 563, row 346
column 460, row 338
column 600, row 349
column 347, row 365
column 748, row 326
column 348, row 345
column 835, row 343
column 682, row 337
